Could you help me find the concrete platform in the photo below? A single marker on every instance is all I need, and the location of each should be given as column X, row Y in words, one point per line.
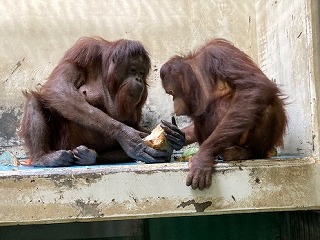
column 30, row 195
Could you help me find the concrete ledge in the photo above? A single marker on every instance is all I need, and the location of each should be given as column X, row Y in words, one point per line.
column 97, row 193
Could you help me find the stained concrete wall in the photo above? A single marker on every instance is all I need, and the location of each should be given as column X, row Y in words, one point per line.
column 277, row 34
column 286, row 33
column 102, row 193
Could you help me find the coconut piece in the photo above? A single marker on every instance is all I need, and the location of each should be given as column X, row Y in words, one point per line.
column 158, row 140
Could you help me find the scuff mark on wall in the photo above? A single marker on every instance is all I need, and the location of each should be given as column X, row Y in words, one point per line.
column 90, row 208
column 200, row 207
column 9, row 123
column 74, row 181
column 15, row 68
column 64, row 182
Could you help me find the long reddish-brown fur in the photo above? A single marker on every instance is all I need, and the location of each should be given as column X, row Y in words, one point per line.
column 237, row 111
column 93, row 98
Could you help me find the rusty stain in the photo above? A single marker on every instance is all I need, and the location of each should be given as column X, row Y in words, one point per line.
column 200, row 207
column 15, row 68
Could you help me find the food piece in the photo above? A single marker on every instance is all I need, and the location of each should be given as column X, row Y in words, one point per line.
column 158, row 140
column 187, row 154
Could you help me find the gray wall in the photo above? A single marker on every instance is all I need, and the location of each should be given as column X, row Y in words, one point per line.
column 278, row 35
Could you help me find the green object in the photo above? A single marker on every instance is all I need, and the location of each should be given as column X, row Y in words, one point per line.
column 190, row 151
column 187, row 154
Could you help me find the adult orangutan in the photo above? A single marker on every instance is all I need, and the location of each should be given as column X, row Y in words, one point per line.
column 237, row 112
column 89, row 109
